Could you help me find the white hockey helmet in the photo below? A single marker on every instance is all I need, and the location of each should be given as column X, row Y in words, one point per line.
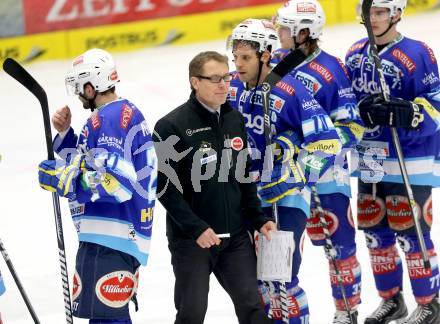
column 96, row 67
column 393, row 5
column 301, row 14
column 260, row 31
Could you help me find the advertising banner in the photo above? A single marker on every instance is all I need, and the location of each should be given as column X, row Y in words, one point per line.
column 50, row 15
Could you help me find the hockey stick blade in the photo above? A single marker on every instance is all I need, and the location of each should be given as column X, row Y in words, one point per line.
column 366, row 6
column 16, row 71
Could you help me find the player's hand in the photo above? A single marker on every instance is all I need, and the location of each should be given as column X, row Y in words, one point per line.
column 267, row 228
column 61, row 119
column 207, row 239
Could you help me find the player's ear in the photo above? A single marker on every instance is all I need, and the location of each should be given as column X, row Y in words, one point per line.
column 397, row 17
column 194, row 81
column 89, row 91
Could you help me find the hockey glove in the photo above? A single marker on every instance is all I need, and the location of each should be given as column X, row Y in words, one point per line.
column 375, row 111
column 59, row 176
column 286, row 178
column 286, row 146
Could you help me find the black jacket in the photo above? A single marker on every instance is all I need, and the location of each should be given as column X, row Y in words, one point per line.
column 221, row 201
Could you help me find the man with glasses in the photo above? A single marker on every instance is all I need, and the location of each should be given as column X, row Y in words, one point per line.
column 384, row 212
column 204, row 185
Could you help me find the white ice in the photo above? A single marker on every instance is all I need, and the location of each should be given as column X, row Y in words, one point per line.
column 157, row 81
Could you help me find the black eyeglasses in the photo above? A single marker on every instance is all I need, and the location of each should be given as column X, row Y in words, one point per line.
column 216, row 78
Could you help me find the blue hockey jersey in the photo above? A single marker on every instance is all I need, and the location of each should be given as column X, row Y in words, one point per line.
column 114, row 203
column 291, row 108
column 411, row 73
column 327, row 80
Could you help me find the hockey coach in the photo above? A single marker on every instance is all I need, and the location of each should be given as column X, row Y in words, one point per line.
column 204, row 185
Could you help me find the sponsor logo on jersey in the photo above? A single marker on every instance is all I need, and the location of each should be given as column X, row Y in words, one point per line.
column 237, row 143
column 76, row 208
column 256, row 124
column 314, row 225
column 326, row 74
column 416, row 268
column 111, row 141
column 313, row 163
column 356, row 46
column 287, row 88
column 391, row 70
column 116, row 288
column 404, row 59
column 399, row 212
column 276, row 102
column 233, row 93
column 305, row 8
column 326, row 146
column 344, row 68
column 427, row 211
column 95, row 120
column 346, row 93
column 309, row 82
column 370, row 211
column 384, row 260
column 310, row 104
column 431, row 53
column 354, row 61
column 77, row 286
column 191, row 132
column 430, row 79
column 126, row 116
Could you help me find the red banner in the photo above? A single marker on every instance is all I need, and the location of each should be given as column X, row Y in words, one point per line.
column 51, row 15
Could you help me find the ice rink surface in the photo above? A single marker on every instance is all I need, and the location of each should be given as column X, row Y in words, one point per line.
column 156, row 81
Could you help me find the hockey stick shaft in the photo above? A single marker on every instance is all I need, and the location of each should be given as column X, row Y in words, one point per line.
column 16, row 71
column 330, row 251
column 18, row 283
column 366, row 6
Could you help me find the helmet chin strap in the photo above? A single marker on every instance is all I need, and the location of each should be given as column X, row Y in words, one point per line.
column 260, row 68
column 297, row 44
column 91, row 104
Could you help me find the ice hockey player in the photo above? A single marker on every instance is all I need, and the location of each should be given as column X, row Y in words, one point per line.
column 298, row 122
column 384, row 213
column 300, row 24
column 108, row 173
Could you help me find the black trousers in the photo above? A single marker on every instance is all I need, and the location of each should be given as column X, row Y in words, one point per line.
column 233, row 262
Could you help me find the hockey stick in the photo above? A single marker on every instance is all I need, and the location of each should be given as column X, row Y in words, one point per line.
column 18, row 283
column 330, row 250
column 15, row 70
column 366, row 5
column 287, row 64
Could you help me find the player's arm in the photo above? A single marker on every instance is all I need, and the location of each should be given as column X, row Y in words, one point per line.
column 66, row 138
